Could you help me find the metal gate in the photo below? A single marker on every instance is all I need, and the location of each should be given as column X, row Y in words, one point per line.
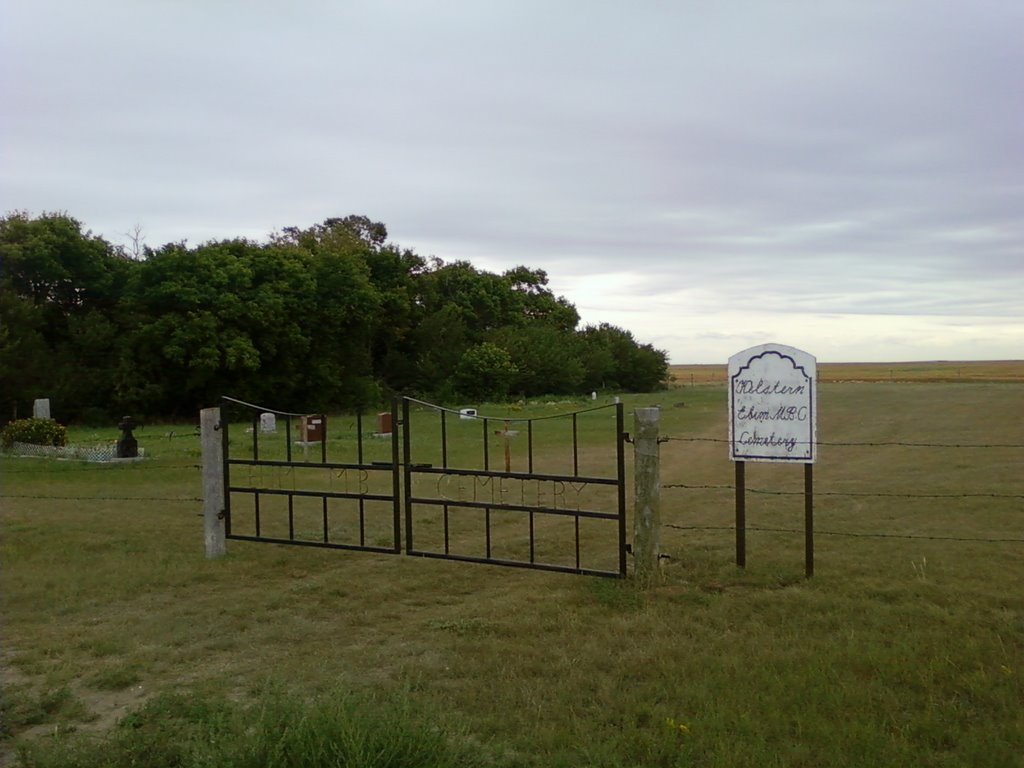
column 516, row 492
column 545, row 492
column 281, row 486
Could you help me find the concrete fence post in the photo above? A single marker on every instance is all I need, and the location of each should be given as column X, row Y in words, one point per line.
column 647, row 485
column 213, row 481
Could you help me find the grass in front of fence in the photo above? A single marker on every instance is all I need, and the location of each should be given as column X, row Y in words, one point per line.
column 277, row 730
column 901, row 651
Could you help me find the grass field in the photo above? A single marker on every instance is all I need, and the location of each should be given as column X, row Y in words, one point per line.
column 933, row 371
column 905, row 649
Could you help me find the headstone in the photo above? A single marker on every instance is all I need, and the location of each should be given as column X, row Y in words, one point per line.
column 268, row 422
column 384, row 423
column 41, row 408
column 593, row 395
column 467, row 413
column 127, row 445
column 772, row 405
column 311, row 428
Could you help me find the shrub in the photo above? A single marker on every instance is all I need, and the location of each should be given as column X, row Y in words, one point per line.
column 485, row 372
column 34, row 431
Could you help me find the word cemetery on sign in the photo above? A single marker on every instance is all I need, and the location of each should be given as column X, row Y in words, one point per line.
column 772, row 405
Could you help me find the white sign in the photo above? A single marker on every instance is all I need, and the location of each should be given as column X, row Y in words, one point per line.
column 773, row 405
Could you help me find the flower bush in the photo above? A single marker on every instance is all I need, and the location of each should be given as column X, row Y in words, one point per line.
column 34, row 431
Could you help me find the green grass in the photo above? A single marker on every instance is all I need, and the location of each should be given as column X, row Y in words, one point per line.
column 899, row 652
column 277, row 730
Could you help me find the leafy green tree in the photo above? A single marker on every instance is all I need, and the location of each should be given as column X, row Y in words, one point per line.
column 332, row 315
column 547, row 359
column 24, row 355
column 53, row 263
column 192, row 341
column 58, row 281
column 483, row 300
column 536, row 302
column 485, row 372
column 341, row 319
column 228, row 317
column 348, row 317
column 614, row 360
column 277, row 321
column 394, row 274
column 440, row 340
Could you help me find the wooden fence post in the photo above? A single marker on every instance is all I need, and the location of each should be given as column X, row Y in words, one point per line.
column 647, row 487
column 213, row 481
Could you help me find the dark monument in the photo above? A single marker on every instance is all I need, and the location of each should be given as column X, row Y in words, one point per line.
column 127, row 445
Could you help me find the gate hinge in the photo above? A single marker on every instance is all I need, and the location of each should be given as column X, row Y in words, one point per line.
column 222, row 514
column 626, row 437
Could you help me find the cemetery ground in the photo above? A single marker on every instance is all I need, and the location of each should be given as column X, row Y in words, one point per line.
column 123, row 645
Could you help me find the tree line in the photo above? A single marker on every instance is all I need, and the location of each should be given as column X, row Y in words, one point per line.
column 332, row 316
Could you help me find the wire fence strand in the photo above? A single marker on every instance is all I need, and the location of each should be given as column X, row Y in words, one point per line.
column 850, row 534
column 36, row 496
column 858, row 444
column 854, row 494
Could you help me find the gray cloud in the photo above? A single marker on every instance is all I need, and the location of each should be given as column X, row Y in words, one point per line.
column 702, row 173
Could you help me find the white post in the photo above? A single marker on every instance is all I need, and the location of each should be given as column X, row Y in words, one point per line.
column 213, row 481
column 647, row 486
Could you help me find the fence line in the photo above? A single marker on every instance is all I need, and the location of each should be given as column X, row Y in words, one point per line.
column 840, row 533
column 882, row 494
column 96, row 466
column 855, row 444
column 98, row 498
column 732, row 488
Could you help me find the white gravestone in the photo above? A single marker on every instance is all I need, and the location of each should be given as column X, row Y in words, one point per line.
column 268, row 422
column 773, row 405
column 41, row 409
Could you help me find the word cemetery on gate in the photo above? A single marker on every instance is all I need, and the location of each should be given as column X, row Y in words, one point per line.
column 520, row 491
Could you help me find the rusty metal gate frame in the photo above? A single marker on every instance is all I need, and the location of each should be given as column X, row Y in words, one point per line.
column 258, row 490
column 404, row 469
column 412, row 469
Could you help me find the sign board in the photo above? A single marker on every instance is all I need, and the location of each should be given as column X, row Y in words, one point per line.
column 773, row 405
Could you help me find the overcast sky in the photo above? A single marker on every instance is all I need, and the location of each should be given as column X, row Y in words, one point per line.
column 843, row 177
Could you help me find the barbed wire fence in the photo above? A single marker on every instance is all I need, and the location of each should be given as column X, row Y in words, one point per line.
column 46, row 469
column 1010, row 494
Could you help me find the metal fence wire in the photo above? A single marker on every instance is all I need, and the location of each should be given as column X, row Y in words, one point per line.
column 1011, row 490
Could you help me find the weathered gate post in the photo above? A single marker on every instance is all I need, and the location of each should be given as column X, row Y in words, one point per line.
column 213, row 481
column 647, row 486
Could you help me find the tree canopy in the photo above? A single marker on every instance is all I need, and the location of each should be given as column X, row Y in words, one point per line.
column 327, row 316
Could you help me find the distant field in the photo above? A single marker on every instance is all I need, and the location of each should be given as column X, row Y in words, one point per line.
column 938, row 370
